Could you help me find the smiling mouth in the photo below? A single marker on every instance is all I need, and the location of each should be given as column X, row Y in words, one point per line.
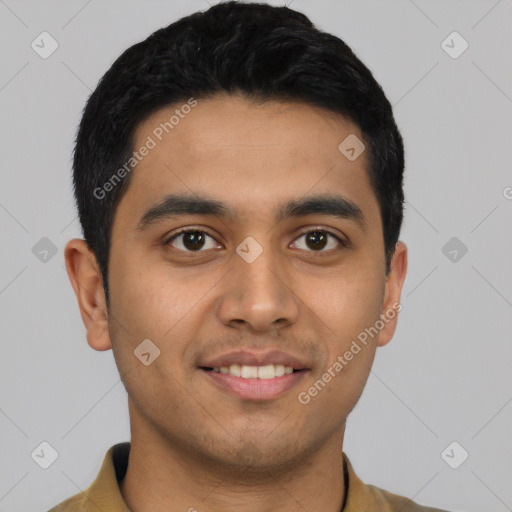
column 255, row 383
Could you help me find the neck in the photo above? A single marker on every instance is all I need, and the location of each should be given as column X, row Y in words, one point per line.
column 163, row 476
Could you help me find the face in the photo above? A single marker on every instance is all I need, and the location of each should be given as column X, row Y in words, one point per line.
column 280, row 273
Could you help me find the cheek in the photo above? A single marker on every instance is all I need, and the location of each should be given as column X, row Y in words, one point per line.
column 150, row 298
column 143, row 306
column 350, row 305
column 159, row 303
column 148, row 305
column 349, row 301
column 348, row 311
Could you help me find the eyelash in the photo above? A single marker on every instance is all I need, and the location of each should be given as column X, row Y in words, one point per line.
column 343, row 243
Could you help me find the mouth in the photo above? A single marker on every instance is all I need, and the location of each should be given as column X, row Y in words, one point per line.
column 253, row 374
column 258, row 383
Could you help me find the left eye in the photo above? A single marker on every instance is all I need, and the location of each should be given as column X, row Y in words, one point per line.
column 318, row 240
column 194, row 240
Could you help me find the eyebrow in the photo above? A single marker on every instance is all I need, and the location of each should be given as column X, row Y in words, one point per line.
column 175, row 205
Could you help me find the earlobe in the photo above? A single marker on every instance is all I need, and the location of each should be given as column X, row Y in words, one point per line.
column 393, row 290
column 85, row 278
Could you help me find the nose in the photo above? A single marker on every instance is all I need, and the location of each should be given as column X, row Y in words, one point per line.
column 258, row 295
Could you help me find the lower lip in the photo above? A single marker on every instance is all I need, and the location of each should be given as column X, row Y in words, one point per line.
column 256, row 389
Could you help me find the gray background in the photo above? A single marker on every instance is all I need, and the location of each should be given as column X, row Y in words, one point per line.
column 445, row 376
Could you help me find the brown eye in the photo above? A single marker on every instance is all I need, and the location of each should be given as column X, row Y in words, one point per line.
column 192, row 240
column 316, row 240
column 319, row 241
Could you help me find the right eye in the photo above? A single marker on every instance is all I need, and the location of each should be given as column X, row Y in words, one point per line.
column 191, row 240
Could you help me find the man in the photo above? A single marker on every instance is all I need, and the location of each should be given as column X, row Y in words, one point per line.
column 238, row 177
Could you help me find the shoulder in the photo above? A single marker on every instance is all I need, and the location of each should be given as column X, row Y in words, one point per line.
column 73, row 504
column 397, row 503
column 362, row 496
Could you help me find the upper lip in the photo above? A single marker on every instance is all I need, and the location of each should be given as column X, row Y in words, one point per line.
column 251, row 357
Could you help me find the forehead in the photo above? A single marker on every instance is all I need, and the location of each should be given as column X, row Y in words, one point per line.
column 246, row 154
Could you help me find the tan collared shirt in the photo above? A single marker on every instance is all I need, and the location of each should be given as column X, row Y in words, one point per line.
column 104, row 494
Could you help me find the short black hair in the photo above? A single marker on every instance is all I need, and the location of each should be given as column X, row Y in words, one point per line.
column 260, row 51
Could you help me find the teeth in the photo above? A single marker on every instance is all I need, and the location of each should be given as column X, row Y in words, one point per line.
column 249, row 372
column 235, row 370
column 268, row 371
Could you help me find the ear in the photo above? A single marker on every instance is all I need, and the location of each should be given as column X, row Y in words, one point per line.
column 83, row 272
column 393, row 290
